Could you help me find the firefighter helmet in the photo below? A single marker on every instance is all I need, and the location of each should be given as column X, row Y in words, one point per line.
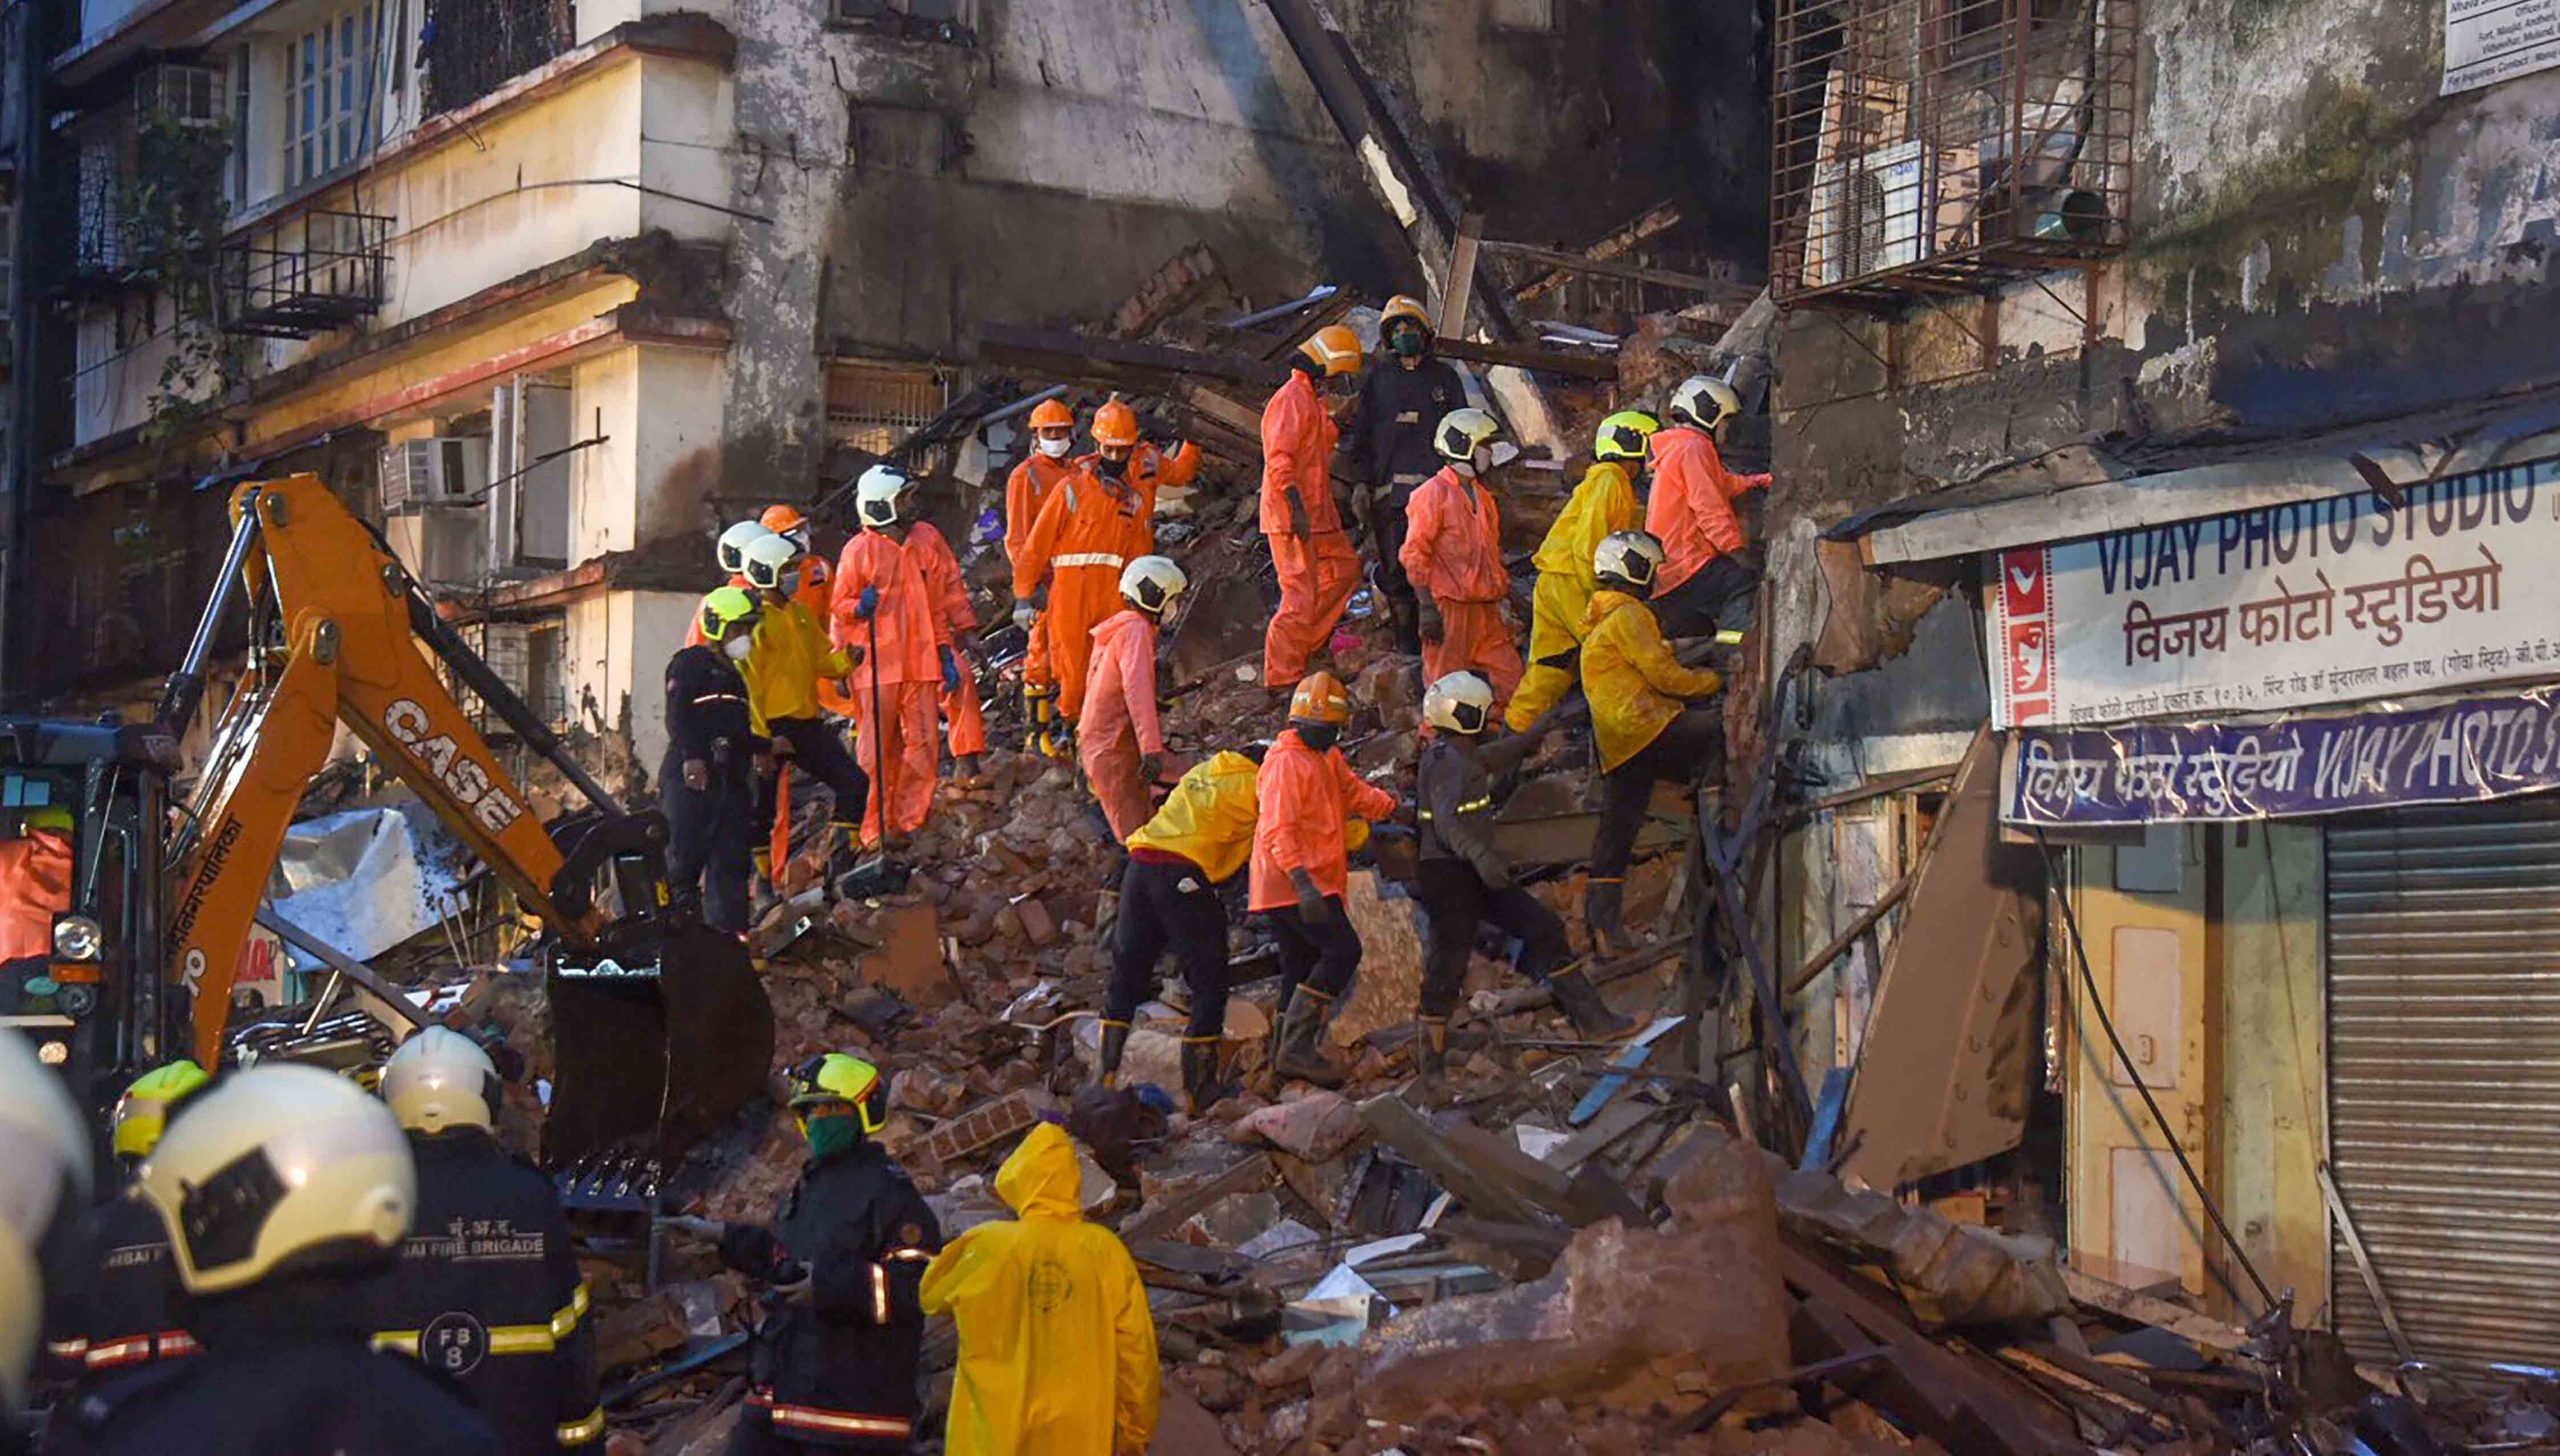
column 1460, row 702
column 1705, row 401
column 1150, row 584
column 47, row 1155
column 1052, row 414
column 1115, row 424
column 1626, row 435
column 1629, row 560
column 841, row 1077
column 142, row 1113
column 1320, row 698
column 1463, row 432
column 734, row 543
column 1403, row 306
column 1333, row 350
column 876, row 494
column 440, row 1078
column 726, row 612
column 769, row 564
column 786, row 520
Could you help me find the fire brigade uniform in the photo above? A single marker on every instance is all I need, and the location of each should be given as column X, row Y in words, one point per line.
column 1645, row 730
column 901, row 658
column 487, row 1292
column 791, row 654
column 1089, row 528
column 1602, row 505
column 1025, row 491
column 1151, row 469
column 1388, row 450
column 1464, row 880
column 1120, row 726
column 711, row 831
column 1319, row 570
column 1691, row 513
column 126, row 1315
column 1453, row 551
column 1305, row 798
column 964, row 723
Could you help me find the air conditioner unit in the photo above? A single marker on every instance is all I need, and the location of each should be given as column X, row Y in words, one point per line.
column 190, row 96
column 1887, row 209
column 441, row 470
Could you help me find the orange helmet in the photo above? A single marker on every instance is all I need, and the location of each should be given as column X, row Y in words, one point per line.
column 782, row 520
column 1050, row 413
column 1320, row 698
column 1333, row 350
column 1115, row 424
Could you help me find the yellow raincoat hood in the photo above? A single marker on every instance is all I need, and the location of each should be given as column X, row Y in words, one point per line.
column 1042, row 1178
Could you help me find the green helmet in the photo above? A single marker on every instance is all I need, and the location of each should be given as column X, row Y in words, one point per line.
column 1626, row 435
column 726, row 611
column 842, row 1077
column 142, row 1113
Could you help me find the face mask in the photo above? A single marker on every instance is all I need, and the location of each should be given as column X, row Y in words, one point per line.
column 737, row 645
column 790, row 584
column 1408, row 342
column 1319, row 736
column 1055, row 449
column 830, row 1136
column 1111, row 469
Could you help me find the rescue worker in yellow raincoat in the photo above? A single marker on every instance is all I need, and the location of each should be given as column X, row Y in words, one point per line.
column 1605, row 503
column 1057, row 1348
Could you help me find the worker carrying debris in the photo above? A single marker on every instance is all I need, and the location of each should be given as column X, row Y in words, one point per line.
column 283, row 1190
column 1301, row 869
column 707, row 783
column 1643, row 719
column 789, row 653
column 836, row 1358
column 1691, row 511
column 126, row 1314
column 1053, row 435
column 1057, row 1347
column 1607, row 501
column 888, row 625
column 964, row 723
column 1453, row 556
column 1300, row 518
column 1464, row 880
column 46, row 1150
column 1120, row 738
column 487, row 1290
column 1067, row 578
column 1388, row 449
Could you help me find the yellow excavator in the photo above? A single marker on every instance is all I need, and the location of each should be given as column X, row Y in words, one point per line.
column 660, row 1028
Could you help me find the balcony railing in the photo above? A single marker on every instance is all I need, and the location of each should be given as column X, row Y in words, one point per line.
column 472, row 47
column 305, row 275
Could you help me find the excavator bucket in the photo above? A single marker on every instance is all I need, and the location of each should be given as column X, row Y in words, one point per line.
column 647, row 1065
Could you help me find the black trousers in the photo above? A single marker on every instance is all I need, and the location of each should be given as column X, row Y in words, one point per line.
column 711, row 840
column 1323, row 958
column 1386, row 531
column 1693, row 608
column 1455, row 902
column 1174, row 907
column 817, row 751
column 1690, row 748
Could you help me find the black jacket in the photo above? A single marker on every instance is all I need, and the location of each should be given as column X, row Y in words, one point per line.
column 1459, row 790
column 127, row 1314
column 487, row 1292
column 1399, row 410
column 838, row 1368
column 707, row 717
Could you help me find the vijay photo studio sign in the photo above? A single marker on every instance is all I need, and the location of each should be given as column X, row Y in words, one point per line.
column 2442, row 584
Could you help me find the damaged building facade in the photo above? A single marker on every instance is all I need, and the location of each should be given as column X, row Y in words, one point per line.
column 2164, row 425
column 552, row 292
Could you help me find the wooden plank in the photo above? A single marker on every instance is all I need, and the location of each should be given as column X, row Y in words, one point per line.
column 1618, row 1120
column 1399, row 1126
column 2160, row 1314
column 1527, row 356
column 1160, row 1218
column 1580, row 1199
column 1610, row 268
column 1462, row 276
column 1656, row 220
column 1033, row 350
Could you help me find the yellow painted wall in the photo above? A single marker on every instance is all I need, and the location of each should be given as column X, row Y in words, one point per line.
column 2272, row 1050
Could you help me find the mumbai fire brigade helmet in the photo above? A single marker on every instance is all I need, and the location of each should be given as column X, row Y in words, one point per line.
column 1628, row 560
column 44, row 1191
column 734, row 543
column 1460, row 702
column 1626, row 435
column 1333, row 350
column 769, row 564
column 1115, row 426
column 440, row 1078
column 1463, row 432
column 841, row 1077
column 1403, row 306
column 786, row 520
column 728, row 612
column 1150, row 584
column 1320, row 698
column 877, row 494
column 1704, row 401
column 280, row 1168
column 142, row 1113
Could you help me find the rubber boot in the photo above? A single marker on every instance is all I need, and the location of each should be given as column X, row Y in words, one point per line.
column 1201, row 1089
column 1431, row 1049
column 1035, row 716
column 1604, row 916
column 1115, row 1040
column 1300, row 1028
column 1592, row 1019
column 966, row 771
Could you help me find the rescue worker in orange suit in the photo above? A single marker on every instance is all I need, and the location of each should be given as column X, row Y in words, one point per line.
column 888, row 623
column 1388, row 447
column 127, row 1316
column 1120, row 738
column 1463, row 879
column 1692, row 511
column 1301, row 869
column 707, row 783
column 732, row 553
column 1605, row 503
column 487, row 1290
column 1057, row 1347
column 1068, row 576
column 1644, row 719
column 964, row 723
column 1053, row 441
column 1453, row 556
column 1116, row 436
column 836, row 1357
column 1300, row 518
column 786, row 657
column 35, row 886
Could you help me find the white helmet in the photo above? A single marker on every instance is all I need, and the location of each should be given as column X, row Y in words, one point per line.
column 280, row 1164
column 1461, row 702
column 1150, row 584
column 1705, row 401
column 875, row 495
column 47, row 1157
column 734, row 543
column 1463, row 432
column 1631, row 558
column 769, row 564
column 440, row 1078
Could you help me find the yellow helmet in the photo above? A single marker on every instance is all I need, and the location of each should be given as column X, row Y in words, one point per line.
column 142, row 1113
column 842, row 1077
column 1403, row 306
column 1626, row 435
column 726, row 612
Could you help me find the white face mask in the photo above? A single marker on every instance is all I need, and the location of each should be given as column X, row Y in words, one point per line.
column 738, row 645
column 1055, row 448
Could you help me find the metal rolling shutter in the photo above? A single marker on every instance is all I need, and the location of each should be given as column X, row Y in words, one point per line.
column 2444, row 1078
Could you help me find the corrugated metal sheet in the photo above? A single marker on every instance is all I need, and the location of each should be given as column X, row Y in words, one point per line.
column 2444, row 1078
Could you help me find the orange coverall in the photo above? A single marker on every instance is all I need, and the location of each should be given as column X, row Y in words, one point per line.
column 1318, row 571
column 1691, row 510
column 1150, row 469
column 1025, row 491
column 1453, row 550
column 35, row 886
column 1087, row 530
column 1120, row 724
column 964, row 727
column 900, row 645
column 1303, row 798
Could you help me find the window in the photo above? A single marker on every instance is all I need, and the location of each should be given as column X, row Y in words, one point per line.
column 470, row 48
column 329, row 95
column 872, row 408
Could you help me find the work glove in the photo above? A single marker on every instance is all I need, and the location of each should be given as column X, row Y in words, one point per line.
column 1313, row 908
column 1434, row 631
column 1024, row 614
column 867, row 605
column 697, row 775
column 950, row 671
column 1150, row 767
column 854, row 654
column 1298, row 524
